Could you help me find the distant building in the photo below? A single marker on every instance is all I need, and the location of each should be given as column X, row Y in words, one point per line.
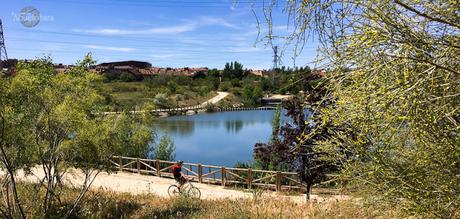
column 144, row 69
column 136, row 64
column 260, row 73
column 60, row 68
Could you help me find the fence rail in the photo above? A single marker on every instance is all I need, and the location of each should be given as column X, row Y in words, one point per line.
column 225, row 176
column 194, row 108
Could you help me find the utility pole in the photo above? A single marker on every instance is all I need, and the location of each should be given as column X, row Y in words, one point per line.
column 2, row 47
column 275, row 62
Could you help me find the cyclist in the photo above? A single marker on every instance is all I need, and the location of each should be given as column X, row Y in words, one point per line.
column 178, row 175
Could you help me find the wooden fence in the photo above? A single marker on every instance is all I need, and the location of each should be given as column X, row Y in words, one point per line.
column 225, row 176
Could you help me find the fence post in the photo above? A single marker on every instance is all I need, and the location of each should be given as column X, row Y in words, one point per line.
column 278, row 181
column 200, row 173
column 223, row 176
column 138, row 166
column 249, row 178
column 120, row 161
column 157, row 162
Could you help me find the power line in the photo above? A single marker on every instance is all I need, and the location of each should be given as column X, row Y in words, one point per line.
column 167, row 4
column 118, row 37
column 169, row 43
column 134, row 47
column 136, row 55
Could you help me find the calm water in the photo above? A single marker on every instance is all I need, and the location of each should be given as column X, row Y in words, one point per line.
column 221, row 138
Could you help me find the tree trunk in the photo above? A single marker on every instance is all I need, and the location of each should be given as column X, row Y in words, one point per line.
column 308, row 192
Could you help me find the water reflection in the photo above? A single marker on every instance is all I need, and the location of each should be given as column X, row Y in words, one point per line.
column 217, row 138
column 180, row 127
column 234, row 126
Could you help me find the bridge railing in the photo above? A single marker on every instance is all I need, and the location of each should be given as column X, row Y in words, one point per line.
column 218, row 175
column 198, row 107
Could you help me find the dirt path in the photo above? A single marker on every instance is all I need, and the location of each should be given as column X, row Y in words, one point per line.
column 142, row 184
column 214, row 100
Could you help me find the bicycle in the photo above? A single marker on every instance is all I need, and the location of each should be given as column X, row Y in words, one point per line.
column 188, row 189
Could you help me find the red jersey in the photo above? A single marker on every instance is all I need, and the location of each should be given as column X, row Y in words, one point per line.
column 176, row 169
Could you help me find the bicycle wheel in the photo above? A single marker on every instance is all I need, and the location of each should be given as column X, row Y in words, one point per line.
column 194, row 192
column 173, row 191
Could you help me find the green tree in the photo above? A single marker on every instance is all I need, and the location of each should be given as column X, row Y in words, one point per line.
column 214, row 73
column 251, row 95
column 55, row 121
column 288, row 152
column 394, row 81
column 233, row 70
column 165, row 149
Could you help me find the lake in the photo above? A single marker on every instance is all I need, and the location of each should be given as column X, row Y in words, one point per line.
column 220, row 138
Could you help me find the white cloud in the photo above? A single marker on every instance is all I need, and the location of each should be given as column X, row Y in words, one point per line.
column 247, row 49
column 206, row 21
column 187, row 26
column 158, row 30
column 110, row 48
column 162, row 56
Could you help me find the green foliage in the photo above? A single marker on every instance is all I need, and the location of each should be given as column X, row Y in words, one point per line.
column 276, row 125
column 225, row 86
column 162, row 101
column 172, row 86
column 235, row 82
column 233, row 70
column 127, row 77
column 266, row 85
column 165, row 149
column 290, row 152
column 395, row 84
column 251, row 95
column 55, row 121
column 214, row 73
column 210, row 108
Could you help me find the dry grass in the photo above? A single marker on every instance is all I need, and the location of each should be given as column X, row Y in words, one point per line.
column 107, row 204
column 155, row 207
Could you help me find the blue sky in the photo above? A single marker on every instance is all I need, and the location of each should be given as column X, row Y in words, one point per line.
column 166, row 33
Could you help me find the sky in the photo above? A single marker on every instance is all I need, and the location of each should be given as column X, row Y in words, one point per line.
column 166, row 33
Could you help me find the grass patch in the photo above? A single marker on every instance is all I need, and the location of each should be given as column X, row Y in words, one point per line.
column 107, row 204
column 139, row 95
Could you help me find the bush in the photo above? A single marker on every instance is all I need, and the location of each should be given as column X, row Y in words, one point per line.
column 127, row 77
column 161, row 101
column 235, row 82
column 225, row 86
column 252, row 95
column 172, row 86
column 210, row 108
column 165, row 150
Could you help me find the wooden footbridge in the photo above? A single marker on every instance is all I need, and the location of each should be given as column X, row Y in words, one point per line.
column 225, row 176
column 194, row 109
